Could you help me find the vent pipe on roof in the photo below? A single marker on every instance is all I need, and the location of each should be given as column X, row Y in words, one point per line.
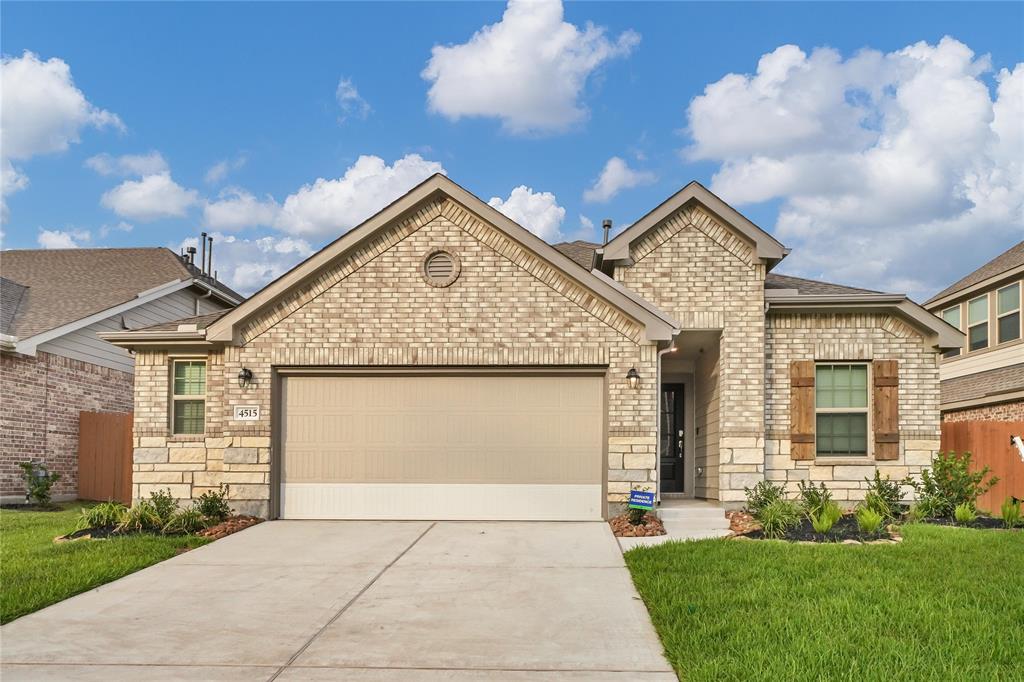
column 209, row 265
column 191, row 251
column 202, row 263
column 606, row 224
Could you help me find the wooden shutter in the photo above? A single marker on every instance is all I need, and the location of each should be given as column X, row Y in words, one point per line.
column 886, row 409
column 801, row 409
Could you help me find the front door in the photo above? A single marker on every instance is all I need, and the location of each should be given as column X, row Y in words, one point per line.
column 673, row 438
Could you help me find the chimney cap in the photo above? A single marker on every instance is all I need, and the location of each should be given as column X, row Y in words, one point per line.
column 607, row 223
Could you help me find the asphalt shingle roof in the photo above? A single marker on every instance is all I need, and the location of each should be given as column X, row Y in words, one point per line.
column 580, row 251
column 1009, row 259
column 810, row 287
column 11, row 295
column 982, row 384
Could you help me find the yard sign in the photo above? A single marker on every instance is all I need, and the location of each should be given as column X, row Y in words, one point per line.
column 641, row 499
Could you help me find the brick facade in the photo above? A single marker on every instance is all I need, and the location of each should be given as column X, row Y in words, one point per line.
column 42, row 397
column 1003, row 412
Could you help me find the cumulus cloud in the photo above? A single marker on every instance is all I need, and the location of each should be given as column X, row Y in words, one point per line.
column 528, row 70
column 247, row 265
column 889, row 167
column 616, row 176
column 350, row 102
column 62, row 239
column 236, row 209
column 332, row 207
column 220, row 170
column 11, row 181
column 121, row 226
column 150, row 163
column 538, row 212
column 151, row 198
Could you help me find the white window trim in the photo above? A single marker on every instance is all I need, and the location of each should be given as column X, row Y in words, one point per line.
column 1000, row 316
column 869, row 438
column 174, row 398
column 986, row 322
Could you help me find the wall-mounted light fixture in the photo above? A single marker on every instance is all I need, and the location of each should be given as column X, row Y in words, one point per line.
column 633, row 378
column 244, row 377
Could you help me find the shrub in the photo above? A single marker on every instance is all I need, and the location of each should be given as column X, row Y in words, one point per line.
column 868, row 520
column 950, row 483
column 777, row 517
column 141, row 517
column 814, row 499
column 163, row 504
column 635, row 516
column 965, row 514
column 213, row 505
column 917, row 513
column 103, row 514
column 885, row 496
column 185, row 521
column 1010, row 512
column 38, row 481
column 762, row 495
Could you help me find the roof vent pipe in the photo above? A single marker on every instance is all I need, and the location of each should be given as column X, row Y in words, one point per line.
column 202, row 263
column 209, row 252
column 606, row 224
column 191, row 251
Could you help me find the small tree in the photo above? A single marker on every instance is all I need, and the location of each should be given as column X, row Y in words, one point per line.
column 38, row 481
column 950, row 483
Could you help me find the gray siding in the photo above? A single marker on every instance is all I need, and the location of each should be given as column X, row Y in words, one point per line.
column 83, row 344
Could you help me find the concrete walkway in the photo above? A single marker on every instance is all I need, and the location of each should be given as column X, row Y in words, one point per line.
column 353, row 600
column 684, row 520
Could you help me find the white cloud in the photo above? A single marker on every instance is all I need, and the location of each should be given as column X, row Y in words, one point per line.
column 60, row 239
column 247, row 265
column 151, row 163
column 889, row 167
column 122, row 226
column 350, row 102
column 220, row 170
column 529, row 69
column 538, row 212
column 616, row 176
column 332, row 207
column 237, row 209
column 151, row 198
column 11, row 181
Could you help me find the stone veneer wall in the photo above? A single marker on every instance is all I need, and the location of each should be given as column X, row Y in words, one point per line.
column 372, row 308
column 42, row 397
column 1003, row 412
column 825, row 337
column 708, row 277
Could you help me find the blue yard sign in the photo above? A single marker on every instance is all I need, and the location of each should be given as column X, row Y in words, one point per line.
column 641, row 499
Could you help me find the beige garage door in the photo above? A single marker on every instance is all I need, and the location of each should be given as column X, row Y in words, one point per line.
column 442, row 447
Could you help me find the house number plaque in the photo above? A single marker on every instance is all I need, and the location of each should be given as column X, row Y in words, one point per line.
column 247, row 413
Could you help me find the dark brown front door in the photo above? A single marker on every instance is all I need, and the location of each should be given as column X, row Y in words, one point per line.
column 673, row 438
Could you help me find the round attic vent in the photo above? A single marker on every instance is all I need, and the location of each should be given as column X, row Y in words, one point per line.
column 441, row 268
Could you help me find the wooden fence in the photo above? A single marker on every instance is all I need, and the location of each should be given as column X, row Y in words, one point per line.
column 989, row 443
column 105, row 456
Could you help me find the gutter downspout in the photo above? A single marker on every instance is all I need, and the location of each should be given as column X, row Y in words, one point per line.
column 208, row 294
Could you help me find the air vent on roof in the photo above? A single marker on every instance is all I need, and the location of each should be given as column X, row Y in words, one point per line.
column 440, row 268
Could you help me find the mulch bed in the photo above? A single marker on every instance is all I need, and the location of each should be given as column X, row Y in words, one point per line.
column 231, row 525
column 624, row 529
column 741, row 522
column 980, row 522
column 845, row 531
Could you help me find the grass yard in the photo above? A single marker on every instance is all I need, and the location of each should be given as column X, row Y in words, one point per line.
column 35, row 572
column 946, row 604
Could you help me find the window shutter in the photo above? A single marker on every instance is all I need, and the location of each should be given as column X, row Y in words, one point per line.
column 886, row 410
column 801, row 409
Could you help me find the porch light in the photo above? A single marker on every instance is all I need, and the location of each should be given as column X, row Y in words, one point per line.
column 633, row 378
column 244, row 377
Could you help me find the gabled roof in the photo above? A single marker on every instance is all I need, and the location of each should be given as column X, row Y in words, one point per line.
column 809, row 287
column 1004, row 263
column 658, row 325
column 766, row 246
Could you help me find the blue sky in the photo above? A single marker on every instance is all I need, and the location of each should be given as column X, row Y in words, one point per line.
column 899, row 168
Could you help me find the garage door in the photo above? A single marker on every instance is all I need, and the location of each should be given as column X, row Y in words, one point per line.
column 442, row 447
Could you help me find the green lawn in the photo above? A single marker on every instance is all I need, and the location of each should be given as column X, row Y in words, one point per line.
column 35, row 572
column 946, row 604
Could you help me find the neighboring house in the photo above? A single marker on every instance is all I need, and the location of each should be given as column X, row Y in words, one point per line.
column 984, row 381
column 52, row 363
column 440, row 361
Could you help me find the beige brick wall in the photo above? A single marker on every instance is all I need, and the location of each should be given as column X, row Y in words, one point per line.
column 507, row 309
column 823, row 337
column 708, row 277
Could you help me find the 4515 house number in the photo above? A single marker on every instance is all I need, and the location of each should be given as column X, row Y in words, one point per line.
column 247, row 413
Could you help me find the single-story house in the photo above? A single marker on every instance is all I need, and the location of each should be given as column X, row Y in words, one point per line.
column 439, row 361
column 52, row 364
column 984, row 381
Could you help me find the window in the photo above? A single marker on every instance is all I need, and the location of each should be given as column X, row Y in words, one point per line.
column 952, row 316
column 1008, row 313
column 977, row 323
column 841, row 410
column 188, row 397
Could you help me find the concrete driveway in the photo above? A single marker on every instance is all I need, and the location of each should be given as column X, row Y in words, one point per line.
column 357, row 600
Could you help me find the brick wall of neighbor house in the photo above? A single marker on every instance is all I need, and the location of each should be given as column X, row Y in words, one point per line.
column 825, row 337
column 507, row 309
column 707, row 277
column 1003, row 412
column 42, row 397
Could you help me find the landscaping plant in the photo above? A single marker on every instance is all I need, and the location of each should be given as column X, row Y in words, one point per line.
column 164, row 505
column 950, row 483
column 778, row 517
column 868, row 520
column 38, row 481
column 104, row 514
column 141, row 517
column 762, row 495
column 885, row 496
column 185, row 521
column 1010, row 512
column 814, row 499
column 213, row 505
column 827, row 517
column 965, row 514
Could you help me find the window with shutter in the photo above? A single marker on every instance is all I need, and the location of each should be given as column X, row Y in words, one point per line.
column 801, row 409
column 886, row 412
